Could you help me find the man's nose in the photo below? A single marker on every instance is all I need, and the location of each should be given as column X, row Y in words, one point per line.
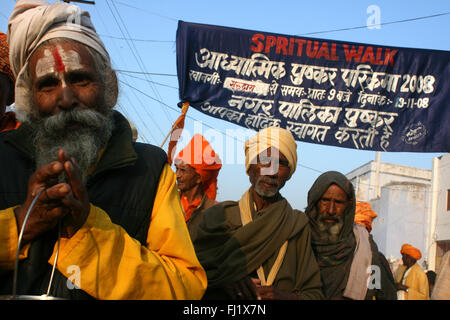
column 270, row 170
column 67, row 98
column 332, row 208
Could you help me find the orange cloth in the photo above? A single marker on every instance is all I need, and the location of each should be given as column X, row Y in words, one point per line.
column 411, row 251
column 9, row 122
column 189, row 207
column 199, row 154
column 5, row 67
column 364, row 214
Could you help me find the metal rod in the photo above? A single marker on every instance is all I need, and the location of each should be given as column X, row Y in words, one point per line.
column 56, row 258
column 19, row 242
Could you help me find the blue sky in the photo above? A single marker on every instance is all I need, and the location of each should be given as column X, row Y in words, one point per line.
column 154, row 107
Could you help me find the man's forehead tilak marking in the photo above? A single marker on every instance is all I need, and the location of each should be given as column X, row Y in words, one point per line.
column 59, row 64
column 58, row 60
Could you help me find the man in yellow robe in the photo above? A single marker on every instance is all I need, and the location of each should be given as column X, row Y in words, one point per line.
column 411, row 280
column 112, row 203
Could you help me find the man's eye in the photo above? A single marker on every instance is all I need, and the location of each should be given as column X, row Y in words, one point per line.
column 284, row 163
column 265, row 160
column 80, row 79
column 48, row 84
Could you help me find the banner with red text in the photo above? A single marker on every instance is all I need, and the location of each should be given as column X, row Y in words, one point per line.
column 344, row 94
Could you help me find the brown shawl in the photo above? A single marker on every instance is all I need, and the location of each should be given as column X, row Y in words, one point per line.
column 229, row 251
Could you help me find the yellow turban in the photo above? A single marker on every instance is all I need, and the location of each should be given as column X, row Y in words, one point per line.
column 411, row 251
column 364, row 214
column 276, row 137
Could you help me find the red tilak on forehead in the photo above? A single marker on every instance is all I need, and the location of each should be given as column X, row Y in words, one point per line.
column 59, row 64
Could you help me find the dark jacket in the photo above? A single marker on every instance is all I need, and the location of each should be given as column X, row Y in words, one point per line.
column 197, row 215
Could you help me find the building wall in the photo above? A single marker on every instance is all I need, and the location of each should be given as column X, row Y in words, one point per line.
column 439, row 221
column 443, row 216
column 402, row 217
column 401, row 202
column 411, row 204
column 364, row 178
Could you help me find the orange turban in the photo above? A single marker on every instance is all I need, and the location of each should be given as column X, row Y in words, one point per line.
column 199, row 154
column 364, row 214
column 411, row 251
column 5, row 67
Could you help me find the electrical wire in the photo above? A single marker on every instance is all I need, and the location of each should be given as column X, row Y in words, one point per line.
column 138, row 40
column 113, row 63
column 135, row 52
column 142, row 133
column 152, row 73
column 378, row 24
column 144, row 10
column 158, row 83
column 303, row 34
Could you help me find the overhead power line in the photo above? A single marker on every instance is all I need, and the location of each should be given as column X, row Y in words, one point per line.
column 309, row 33
column 378, row 24
column 135, row 51
column 139, row 40
column 158, row 83
column 150, row 12
column 141, row 72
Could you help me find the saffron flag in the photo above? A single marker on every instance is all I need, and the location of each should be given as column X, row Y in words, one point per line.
column 337, row 93
column 175, row 133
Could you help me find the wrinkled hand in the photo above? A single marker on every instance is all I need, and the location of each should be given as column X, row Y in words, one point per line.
column 60, row 201
column 243, row 289
column 272, row 293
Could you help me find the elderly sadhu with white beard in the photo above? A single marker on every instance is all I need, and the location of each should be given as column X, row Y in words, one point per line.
column 259, row 247
column 114, row 202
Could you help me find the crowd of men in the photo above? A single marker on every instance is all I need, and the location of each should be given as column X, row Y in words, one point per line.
column 76, row 189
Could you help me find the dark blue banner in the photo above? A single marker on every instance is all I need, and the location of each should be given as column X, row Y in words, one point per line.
column 344, row 94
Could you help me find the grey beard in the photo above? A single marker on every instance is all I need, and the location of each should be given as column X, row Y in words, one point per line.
column 264, row 192
column 330, row 232
column 84, row 142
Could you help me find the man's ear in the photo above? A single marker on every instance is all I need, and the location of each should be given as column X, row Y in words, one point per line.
column 198, row 179
column 112, row 90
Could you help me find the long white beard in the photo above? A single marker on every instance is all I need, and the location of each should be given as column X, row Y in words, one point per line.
column 93, row 130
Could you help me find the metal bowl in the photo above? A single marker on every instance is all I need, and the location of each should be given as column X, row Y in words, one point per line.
column 29, row 297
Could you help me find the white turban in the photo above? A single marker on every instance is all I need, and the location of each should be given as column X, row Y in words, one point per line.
column 35, row 21
column 276, row 137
